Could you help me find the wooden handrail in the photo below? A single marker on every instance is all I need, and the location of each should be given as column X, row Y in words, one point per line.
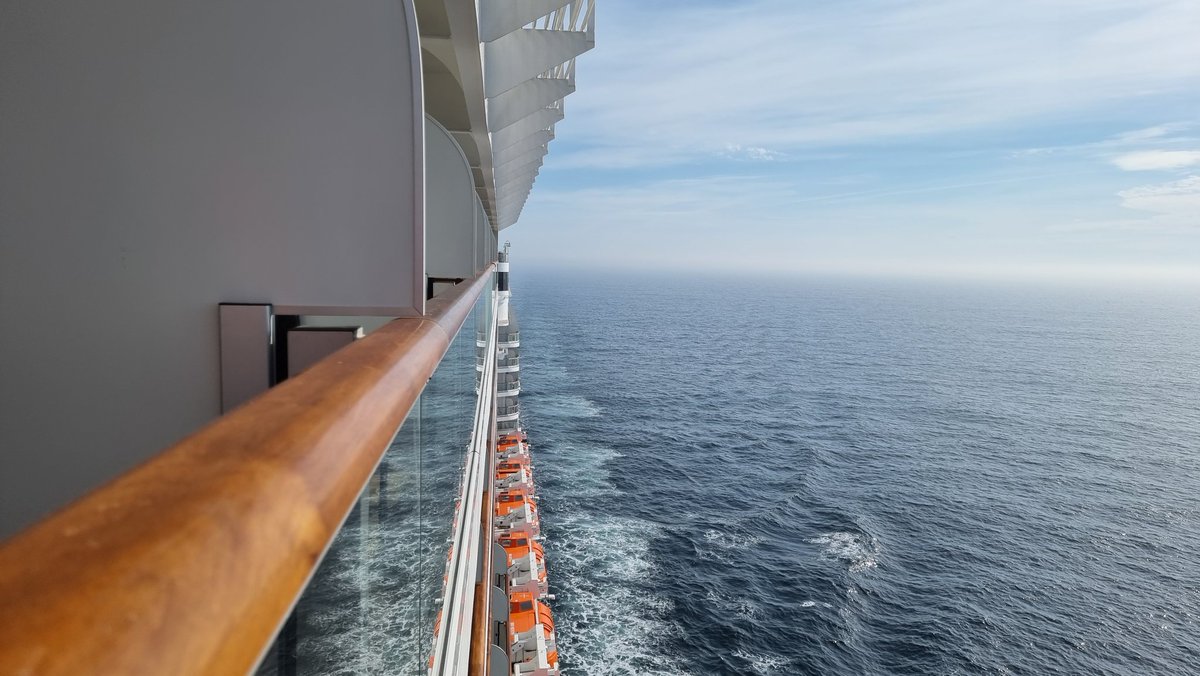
column 189, row 563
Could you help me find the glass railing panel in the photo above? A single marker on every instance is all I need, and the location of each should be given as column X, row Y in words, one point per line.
column 370, row 607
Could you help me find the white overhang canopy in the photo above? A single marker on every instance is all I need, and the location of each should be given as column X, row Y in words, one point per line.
column 496, row 75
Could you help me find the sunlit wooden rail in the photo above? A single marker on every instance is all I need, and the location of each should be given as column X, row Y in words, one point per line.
column 190, row 563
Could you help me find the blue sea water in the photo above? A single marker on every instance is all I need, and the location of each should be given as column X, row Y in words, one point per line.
column 824, row 476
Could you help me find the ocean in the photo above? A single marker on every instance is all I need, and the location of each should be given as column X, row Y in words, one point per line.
column 838, row 476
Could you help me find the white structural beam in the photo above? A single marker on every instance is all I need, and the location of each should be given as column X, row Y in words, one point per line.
column 515, row 63
column 515, row 190
column 527, row 53
column 537, row 138
column 517, row 198
column 513, row 170
column 543, row 119
column 466, row 53
column 530, row 176
column 498, row 18
column 519, row 160
column 516, row 183
column 525, row 99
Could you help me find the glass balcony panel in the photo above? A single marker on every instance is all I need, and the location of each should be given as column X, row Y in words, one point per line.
column 370, row 606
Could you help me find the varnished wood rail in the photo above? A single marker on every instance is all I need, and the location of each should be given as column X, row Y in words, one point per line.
column 189, row 563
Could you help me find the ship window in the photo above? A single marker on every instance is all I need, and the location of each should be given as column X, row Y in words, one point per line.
column 525, row 605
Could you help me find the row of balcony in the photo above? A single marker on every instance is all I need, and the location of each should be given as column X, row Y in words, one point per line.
column 502, row 336
column 511, row 365
column 480, row 343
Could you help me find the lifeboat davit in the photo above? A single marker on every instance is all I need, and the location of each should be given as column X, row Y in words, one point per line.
column 512, row 438
column 512, row 466
column 516, row 512
column 534, row 650
column 526, row 566
column 516, row 478
column 514, row 451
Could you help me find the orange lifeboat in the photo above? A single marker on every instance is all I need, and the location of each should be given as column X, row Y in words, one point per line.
column 513, row 437
column 516, row 522
column 511, row 466
column 513, row 451
column 506, row 501
column 519, row 478
column 534, row 650
column 437, row 628
column 516, row 511
column 526, row 566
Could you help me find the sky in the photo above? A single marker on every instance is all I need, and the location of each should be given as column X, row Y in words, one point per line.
column 1024, row 138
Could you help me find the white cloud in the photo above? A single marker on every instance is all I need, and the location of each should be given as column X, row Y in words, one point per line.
column 1161, row 135
column 788, row 76
column 1179, row 198
column 1150, row 160
column 732, row 150
column 885, row 120
column 1147, row 134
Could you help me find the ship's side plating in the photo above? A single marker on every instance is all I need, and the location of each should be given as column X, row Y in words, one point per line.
column 523, row 619
column 508, row 353
column 533, row 649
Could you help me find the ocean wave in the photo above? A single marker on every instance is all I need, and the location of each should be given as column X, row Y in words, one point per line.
column 763, row 664
column 722, row 545
column 858, row 551
column 608, row 619
column 1018, row 494
column 565, row 406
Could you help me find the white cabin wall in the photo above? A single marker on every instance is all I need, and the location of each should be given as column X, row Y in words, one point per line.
column 450, row 206
column 160, row 157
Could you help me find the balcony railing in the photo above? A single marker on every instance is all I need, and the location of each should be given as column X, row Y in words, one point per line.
column 190, row 563
column 502, row 337
column 509, row 364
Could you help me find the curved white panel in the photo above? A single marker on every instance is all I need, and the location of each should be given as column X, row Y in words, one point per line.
column 450, row 204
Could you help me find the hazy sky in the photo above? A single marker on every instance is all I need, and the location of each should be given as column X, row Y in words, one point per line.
column 1020, row 137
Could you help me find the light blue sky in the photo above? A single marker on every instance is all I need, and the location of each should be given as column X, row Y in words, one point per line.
column 941, row 137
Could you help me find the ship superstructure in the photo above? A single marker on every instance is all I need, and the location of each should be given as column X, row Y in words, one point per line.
column 522, row 621
column 508, row 353
column 277, row 247
column 516, row 522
